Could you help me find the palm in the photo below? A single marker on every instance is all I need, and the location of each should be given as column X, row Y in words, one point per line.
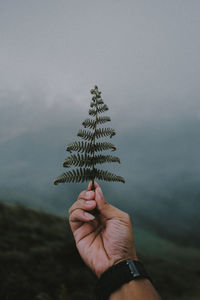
column 96, row 242
column 104, row 240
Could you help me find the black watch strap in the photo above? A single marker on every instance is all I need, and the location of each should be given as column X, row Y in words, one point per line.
column 119, row 274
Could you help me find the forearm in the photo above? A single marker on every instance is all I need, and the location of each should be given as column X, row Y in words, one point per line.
column 136, row 290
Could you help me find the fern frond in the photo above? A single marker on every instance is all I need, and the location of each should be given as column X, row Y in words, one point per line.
column 88, row 161
column 89, row 123
column 98, row 101
column 98, row 95
column 92, row 112
column 104, row 146
column 101, row 132
column 92, row 123
column 79, row 160
column 95, row 91
column 107, row 176
column 89, row 148
column 92, row 104
column 100, row 109
column 100, row 159
column 86, row 135
column 102, row 120
column 87, row 158
column 79, row 147
column 74, row 176
column 85, row 175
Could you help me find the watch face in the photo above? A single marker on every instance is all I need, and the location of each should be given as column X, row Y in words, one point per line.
column 133, row 268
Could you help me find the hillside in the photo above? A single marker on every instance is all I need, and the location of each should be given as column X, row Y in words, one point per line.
column 39, row 261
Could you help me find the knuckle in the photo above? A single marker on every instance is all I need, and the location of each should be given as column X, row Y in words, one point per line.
column 126, row 216
column 70, row 218
column 81, row 195
column 69, row 210
column 72, row 208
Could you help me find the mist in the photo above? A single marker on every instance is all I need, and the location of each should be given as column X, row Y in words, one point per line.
column 145, row 59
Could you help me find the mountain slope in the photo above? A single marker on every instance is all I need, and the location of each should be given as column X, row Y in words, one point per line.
column 38, row 260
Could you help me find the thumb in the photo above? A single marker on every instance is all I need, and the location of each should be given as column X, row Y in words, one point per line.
column 100, row 200
column 107, row 210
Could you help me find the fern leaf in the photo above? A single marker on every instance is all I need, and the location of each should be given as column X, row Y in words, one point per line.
column 89, row 123
column 101, row 132
column 92, row 104
column 86, row 158
column 87, row 147
column 104, row 146
column 78, row 146
column 100, row 109
column 86, row 135
column 77, row 160
column 107, row 176
column 92, row 123
column 92, row 112
column 102, row 120
column 88, row 161
column 98, row 101
column 100, row 159
column 74, row 176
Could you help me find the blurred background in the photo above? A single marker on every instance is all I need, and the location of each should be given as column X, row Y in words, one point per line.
column 144, row 57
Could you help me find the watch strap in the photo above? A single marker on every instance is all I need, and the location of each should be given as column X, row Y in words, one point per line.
column 117, row 275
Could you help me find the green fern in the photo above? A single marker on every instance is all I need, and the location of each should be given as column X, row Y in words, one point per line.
column 87, row 159
column 89, row 148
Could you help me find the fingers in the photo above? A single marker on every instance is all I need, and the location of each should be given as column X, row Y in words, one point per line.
column 98, row 194
column 79, row 215
column 99, row 197
column 83, row 205
column 88, row 195
column 90, row 185
column 102, row 204
column 107, row 210
column 79, row 211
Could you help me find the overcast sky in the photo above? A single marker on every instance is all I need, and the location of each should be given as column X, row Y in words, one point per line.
column 145, row 58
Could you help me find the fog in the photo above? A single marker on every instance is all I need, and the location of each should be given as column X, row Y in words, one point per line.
column 144, row 56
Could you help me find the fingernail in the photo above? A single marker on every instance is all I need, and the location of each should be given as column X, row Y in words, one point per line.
column 89, row 194
column 89, row 202
column 89, row 216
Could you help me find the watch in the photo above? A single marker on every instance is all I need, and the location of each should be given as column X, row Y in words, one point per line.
column 117, row 275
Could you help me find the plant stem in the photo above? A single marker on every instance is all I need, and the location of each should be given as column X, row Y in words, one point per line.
column 93, row 154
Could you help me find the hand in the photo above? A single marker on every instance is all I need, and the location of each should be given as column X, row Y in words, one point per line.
column 104, row 239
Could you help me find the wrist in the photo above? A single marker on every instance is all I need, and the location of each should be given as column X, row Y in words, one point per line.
column 134, row 289
column 117, row 275
column 115, row 262
column 131, row 257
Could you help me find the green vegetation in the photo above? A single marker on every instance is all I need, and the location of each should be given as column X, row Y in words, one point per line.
column 39, row 260
column 89, row 147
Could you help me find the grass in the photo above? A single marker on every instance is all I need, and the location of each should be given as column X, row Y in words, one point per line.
column 175, row 269
column 39, row 260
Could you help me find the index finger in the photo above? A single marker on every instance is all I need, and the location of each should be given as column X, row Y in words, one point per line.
column 96, row 185
column 87, row 195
